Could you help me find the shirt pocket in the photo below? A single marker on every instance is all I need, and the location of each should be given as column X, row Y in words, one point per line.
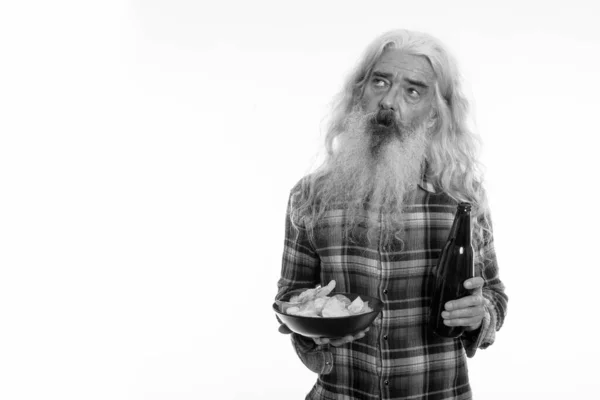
column 353, row 273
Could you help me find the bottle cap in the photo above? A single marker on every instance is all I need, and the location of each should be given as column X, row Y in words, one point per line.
column 464, row 206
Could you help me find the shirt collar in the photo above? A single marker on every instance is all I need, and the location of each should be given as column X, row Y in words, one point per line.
column 427, row 185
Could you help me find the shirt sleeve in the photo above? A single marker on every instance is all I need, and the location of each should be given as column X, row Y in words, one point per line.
column 496, row 300
column 301, row 269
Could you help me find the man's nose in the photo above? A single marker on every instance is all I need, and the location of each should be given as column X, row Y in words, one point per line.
column 390, row 100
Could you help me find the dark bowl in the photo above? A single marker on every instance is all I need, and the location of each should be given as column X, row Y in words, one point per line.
column 333, row 327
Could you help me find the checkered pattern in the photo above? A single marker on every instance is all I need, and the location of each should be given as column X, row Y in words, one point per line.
column 399, row 358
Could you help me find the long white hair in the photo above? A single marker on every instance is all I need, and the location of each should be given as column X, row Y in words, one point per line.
column 452, row 151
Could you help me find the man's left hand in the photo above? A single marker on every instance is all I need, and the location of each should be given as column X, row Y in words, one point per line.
column 469, row 310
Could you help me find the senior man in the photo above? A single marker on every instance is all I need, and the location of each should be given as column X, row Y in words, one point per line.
column 374, row 218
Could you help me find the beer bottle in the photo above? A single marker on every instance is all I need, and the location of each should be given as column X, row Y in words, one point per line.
column 454, row 266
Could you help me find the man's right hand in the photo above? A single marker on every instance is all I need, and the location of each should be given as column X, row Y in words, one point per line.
column 343, row 340
column 283, row 328
column 332, row 341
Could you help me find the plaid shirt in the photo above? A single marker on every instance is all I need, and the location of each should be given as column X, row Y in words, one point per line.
column 399, row 357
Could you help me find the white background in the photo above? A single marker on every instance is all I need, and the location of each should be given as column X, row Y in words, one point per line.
column 146, row 154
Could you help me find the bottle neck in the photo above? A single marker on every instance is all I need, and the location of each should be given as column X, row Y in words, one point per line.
column 462, row 234
column 461, row 229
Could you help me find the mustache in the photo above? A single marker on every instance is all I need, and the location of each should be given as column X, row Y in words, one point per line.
column 384, row 123
column 387, row 119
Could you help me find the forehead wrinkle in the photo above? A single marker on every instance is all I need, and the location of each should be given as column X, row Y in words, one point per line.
column 401, row 64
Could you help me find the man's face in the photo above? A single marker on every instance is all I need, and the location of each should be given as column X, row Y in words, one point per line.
column 400, row 90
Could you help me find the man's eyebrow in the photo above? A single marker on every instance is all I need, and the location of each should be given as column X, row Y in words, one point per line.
column 381, row 74
column 416, row 83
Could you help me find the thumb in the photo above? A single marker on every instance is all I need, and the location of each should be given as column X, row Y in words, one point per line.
column 284, row 329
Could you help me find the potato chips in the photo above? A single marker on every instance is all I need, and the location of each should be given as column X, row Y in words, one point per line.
column 316, row 303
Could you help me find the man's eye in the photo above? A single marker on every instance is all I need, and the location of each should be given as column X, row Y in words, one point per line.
column 379, row 83
column 413, row 93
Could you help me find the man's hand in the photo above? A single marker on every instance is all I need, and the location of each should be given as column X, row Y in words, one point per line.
column 340, row 341
column 332, row 341
column 469, row 310
column 283, row 328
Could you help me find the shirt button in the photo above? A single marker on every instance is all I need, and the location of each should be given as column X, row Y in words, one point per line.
column 385, row 291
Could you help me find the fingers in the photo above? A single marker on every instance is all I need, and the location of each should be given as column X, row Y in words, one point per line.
column 473, row 322
column 341, row 341
column 321, row 341
column 466, row 317
column 464, row 313
column 468, row 311
column 334, row 341
column 474, row 283
column 472, row 300
column 359, row 336
column 344, row 340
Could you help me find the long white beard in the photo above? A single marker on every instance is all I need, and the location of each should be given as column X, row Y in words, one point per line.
column 382, row 177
